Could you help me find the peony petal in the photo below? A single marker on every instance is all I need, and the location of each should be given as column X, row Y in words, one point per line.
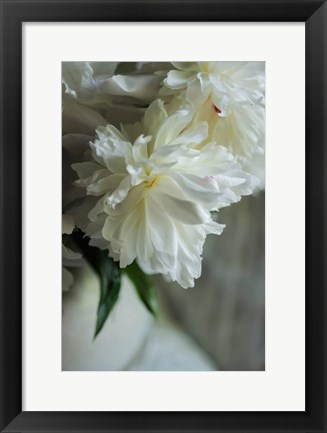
column 67, row 224
column 86, row 169
column 195, row 134
column 77, row 118
column 120, row 193
column 103, row 186
column 173, row 126
column 201, row 190
column 154, row 116
column 178, row 79
column 67, row 279
column 69, row 254
column 97, row 208
column 143, row 86
column 182, row 210
column 198, row 91
column 140, row 148
column 186, row 66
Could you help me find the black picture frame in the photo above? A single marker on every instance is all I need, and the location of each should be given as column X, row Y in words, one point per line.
column 13, row 14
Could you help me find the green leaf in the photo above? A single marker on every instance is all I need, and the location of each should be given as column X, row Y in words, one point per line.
column 144, row 286
column 108, row 272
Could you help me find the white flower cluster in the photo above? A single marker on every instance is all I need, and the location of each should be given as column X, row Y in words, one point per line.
column 157, row 148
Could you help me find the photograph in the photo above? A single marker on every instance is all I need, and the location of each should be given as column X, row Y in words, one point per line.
column 163, row 216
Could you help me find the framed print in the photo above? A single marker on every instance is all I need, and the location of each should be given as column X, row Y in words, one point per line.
column 148, row 148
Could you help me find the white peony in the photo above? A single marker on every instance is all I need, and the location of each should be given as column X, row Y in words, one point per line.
column 104, row 83
column 83, row 79
column 98, row 93
column 151, row 200
column 229, row 96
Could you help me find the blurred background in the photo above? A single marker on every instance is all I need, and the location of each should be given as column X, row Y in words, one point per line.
column 225, row 312
column 217, row 325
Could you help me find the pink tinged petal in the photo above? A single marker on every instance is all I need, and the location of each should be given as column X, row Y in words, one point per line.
column 221, row 104
column 231, row 179
column 217, row 110
column 234, row 183
column 242, row 130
